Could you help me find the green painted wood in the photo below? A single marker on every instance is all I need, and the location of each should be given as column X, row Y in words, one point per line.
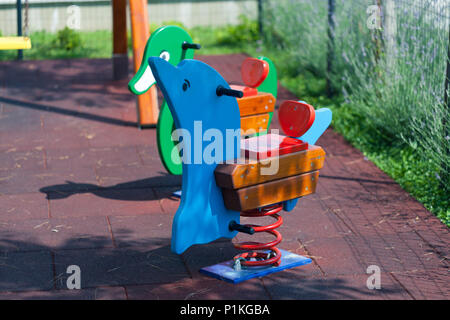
column 165, row 127
column 270, row 85
column 166, row 43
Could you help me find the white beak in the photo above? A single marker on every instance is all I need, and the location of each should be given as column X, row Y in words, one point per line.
column 146, row 81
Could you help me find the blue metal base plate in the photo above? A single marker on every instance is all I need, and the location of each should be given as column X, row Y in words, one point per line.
column 225, row 271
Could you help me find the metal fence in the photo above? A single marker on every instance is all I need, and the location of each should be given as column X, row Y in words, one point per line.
column 91, row 15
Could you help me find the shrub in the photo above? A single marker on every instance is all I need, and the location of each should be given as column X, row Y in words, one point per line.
column 244, row 32
column 67, row 39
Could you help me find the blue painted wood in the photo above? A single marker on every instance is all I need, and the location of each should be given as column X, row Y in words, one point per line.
column 321, row 123
column 225, row 271
column 190, row 92
column 289, row 205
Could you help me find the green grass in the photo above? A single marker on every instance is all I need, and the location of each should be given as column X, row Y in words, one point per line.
column 96, row 44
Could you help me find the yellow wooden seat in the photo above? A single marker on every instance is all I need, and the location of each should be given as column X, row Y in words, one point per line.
column 15, row 43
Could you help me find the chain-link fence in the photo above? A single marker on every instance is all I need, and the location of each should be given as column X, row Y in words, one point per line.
column 388, row 58
column 83, row 28
column 93, row 15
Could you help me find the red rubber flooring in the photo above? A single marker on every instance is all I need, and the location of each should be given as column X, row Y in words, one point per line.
column 81, row 185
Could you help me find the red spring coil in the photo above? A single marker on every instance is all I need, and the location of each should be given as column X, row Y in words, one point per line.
column 258, row 258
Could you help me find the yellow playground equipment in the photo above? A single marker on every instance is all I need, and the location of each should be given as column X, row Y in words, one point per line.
column 15, row 43
column 20, row 42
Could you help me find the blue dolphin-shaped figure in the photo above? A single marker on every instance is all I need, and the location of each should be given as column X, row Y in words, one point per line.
column 190, row 92
column 321, row 122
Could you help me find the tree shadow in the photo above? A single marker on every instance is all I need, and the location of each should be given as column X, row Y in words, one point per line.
column 68, row 112
column 147, row 269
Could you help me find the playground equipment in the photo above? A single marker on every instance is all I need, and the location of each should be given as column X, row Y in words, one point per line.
column 20, row 42
column 174, row 44
column 147, row 104
column 214, row 195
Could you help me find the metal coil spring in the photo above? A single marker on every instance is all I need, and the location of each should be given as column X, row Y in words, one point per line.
column 256, row 257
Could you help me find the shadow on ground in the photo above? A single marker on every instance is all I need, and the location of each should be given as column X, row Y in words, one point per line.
column 62, row 191
column 147, row 269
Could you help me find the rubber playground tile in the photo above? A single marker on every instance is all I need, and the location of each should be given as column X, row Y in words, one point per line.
column 335, row 256
column 168, row 201
column 121, row 266
column 397, row 252
column 100, row 293
column 51, row 234
column 65, row 138
column 137, row 176
column 15, row 182
column 22, row 236
column 199, row 289
column 148, row 230
column 20, row 271
column 60, row 160
column 148, row 154
column 104, row 202
column 30, row 160
column 311, row 220
column 106, row 135
column 13, row 117
column 337, row 287
column 425, row 285
column 17, row 207
column 116, row 156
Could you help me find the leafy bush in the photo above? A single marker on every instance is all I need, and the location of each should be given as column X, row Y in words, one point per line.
column 154, row 26
column 68, row 40
column 244, row 32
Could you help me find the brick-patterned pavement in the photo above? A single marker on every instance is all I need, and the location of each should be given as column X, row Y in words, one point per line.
column 80, row 185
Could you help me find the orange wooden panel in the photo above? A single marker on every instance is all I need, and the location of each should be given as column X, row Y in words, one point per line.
column 148, row 109
column 271, row 192
column 236, row 176
column 261, row 103
column 256, row 123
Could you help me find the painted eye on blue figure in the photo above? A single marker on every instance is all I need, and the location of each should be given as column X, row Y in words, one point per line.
column 186, row 84
column 165, row 55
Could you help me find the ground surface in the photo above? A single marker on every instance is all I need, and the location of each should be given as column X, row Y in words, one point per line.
column 80, row 185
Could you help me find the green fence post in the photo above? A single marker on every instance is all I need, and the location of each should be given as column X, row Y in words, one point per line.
column 19, row 27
